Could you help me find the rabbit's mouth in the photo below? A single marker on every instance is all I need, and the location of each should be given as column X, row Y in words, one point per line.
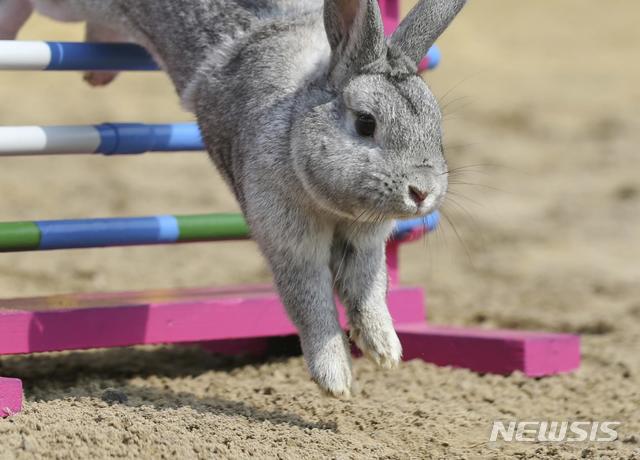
column 400, row 209
column 425, row 203
column 427, row 207
column 392, row 207
column 409, row 201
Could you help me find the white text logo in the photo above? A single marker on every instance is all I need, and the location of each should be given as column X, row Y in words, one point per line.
column 548, row 431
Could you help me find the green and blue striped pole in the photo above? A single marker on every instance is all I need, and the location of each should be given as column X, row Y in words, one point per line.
column 127, row 231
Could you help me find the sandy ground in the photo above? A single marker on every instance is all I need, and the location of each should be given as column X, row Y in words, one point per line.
column 543, row 95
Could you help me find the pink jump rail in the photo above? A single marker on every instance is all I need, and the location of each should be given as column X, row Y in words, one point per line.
column 242, row 319
column 232, row 320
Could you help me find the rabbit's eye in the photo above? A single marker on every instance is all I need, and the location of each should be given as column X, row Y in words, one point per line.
column 365, row 124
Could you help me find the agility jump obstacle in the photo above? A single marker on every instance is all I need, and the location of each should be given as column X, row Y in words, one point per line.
column 228, row 319
column 43, row 55
column 129, row 231
column 105, row 139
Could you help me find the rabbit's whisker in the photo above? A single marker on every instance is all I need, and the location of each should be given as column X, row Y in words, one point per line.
column 454, row 193
column 473, row 184
column 460, row 239
column 443, row 98
column 466, row 212
column 447, row 114
column 472, row 167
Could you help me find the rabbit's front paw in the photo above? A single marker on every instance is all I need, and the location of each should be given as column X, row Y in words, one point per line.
column 378, row 342
column 330, row 368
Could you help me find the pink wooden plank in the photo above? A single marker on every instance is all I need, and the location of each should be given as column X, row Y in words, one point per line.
column 491, row 351
column 114, row 299
column 125, row 319
column 10, row 396
column 390, row 10
column 393, row 272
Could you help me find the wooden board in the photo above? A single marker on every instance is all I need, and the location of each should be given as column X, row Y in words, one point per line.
column 241, row 319
column 110, row 320
column 491, row 351
column 10, row 396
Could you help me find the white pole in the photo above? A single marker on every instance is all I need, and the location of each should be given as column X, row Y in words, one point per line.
column 38, row 140
column 24, row 55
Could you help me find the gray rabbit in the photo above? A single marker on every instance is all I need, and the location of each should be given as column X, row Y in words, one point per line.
column 319, row 125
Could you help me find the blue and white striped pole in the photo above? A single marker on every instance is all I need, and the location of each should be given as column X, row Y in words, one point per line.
column 106, row 139
column 41, row 55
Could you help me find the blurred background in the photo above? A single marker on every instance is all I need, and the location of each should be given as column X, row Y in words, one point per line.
column 541, row 101
column 542, row 112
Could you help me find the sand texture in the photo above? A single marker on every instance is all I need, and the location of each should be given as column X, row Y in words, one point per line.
column 542, row 99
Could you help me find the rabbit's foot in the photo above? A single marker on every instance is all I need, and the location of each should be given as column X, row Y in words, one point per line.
column 378, row 342
column 101, row 78
column 330, row 368
column 13, row 15
column 99, row 33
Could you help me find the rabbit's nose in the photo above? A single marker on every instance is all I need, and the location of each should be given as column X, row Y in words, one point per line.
column 417, row 195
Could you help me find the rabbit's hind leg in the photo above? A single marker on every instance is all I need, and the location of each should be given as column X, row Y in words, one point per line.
column 99, row 33
column 13, row 15
column 360, row 272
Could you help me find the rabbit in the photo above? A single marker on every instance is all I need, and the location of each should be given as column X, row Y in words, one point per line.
column 322, row 129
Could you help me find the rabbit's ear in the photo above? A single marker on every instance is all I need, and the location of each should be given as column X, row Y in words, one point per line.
column 356, row 35
column 423, row 25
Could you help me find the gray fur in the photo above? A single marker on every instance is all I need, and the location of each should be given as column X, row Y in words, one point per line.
column 276, row 96
column 423, row 25
column 356, row 36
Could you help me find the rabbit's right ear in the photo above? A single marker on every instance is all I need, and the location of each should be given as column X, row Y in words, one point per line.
column 356, row 35
column 423, row 25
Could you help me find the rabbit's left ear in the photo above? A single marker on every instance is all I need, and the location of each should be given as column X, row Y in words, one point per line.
column 423, row 25
column 356, row 35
